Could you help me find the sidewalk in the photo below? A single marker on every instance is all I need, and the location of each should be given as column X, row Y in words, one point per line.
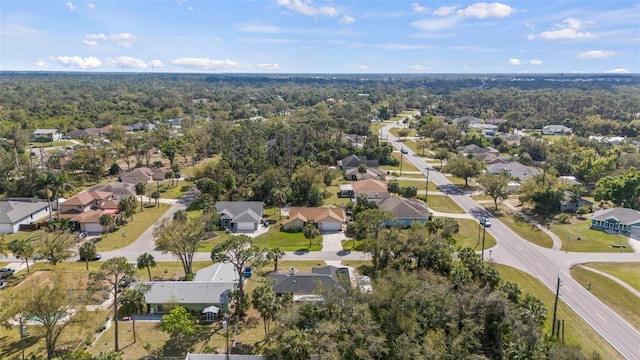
column 557, row 243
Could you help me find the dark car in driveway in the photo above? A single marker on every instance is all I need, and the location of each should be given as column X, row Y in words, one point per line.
column 95, row 258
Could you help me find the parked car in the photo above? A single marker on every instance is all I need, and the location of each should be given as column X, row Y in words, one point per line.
column 6, row 272
column 82, row 235
column 404, row 151
column 247, row 272
column 485, row 222
column 95, row 258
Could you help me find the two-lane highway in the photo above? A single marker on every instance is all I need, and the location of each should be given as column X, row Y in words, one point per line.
column 545, row 264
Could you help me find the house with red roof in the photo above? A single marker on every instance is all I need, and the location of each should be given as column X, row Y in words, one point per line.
column 86, row 208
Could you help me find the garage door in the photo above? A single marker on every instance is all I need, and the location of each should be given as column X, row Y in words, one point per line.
column 92, row 228
column 330, row 226
column 245, row 226
column 635, row 232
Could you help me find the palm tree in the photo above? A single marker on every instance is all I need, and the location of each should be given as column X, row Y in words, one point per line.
column 42, row 187
column 146, row 261
column 59, row 185
column 140, row 188
column 362, row 169
column 180, row 216
column 106, row 221
column 310, row 231
column 274, row 255
column 132, row 302
column 87, row 252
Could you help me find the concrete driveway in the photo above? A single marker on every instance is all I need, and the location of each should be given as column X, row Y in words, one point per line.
column 332, row 241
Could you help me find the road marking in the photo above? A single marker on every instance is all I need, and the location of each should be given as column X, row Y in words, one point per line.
column 540, row 265
column 519, row 247
column 568, row 289
column 600, row 316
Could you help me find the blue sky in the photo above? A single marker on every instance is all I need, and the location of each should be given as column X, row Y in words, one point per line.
column 317, row 36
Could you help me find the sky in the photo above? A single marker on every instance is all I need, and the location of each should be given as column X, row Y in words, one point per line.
column 319, row 36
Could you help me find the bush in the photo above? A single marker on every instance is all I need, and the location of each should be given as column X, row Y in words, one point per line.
column 565, row 218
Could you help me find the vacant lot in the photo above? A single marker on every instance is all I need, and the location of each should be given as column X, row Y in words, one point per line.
column 443, row 203
column 130, row 232
column 627, row 272
column 590, row 240
column 522, row 227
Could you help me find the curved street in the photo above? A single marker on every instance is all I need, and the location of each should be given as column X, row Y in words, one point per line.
column 545, row 264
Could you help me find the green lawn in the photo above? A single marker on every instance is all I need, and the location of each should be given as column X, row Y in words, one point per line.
column 417, row 183
column 411, row 144
column 577, row 331
column 171, row 192
column 522, row 227
column 394, row 131
column 457, row 181
column 207, row 246
column 352, row 244
column 620, row 300
column 443, row 203
column 333, row 199
column 468, row 237
column 591, row 240
column 133, row 229
column 287, row 241
column 627, row 272
column 50, row 144
column 406, row 165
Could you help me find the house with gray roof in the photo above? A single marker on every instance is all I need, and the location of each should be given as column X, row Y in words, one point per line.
column 304, row 287
column 555, row 130
column 513, row 169
column 46, row 135
column 473, row 149
column 405, row 210
column 353, row 161
column 466, row 120
column 622, row 220
column 17, row 211
column 119, row 190
column 208, row 293
column 239, row 216
column 371, row 173
column 571, row 203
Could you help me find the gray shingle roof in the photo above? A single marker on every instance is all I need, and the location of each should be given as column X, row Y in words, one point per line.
column 404, row 208
column 243, row 211
column 623, row 215
column 188, row 292
column 13, row 211
column 307, row 284
column 355, row 161
column 514, row 169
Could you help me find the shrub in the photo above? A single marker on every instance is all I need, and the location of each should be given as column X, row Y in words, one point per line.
column 564, row 218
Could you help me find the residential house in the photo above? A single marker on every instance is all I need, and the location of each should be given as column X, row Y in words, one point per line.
column 119, row 190
column 143, row 174
column 373, row 189
column 346, row 191
column 307, row 287
column 325, row 219
column 611, row 140
column 83, row 133
column 622, row 220
column 370, row 173
column 240, row 215
column 488, row 130
column 570, row 203
column 405, row 210
column 555, row 130
column 46, row 135
column 353, row 161
column 474, row 149
column 86, row 208
column 514, row 170
column 466, row 120
column 139, row 126
column 21, row 211
column 207, row 294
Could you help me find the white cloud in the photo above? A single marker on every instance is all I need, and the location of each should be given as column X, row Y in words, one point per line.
column 206, row 64
column 126, row 62
column 618, row 71
column 596, row 54
column 70, row 6
column 568, row 29
column 362, row 67
column 435, row 24
column 155, row 64
column 91, row 5
column 535, row 62
column 41, row 64
column 254, row 28
column 445, row 10
column 307, row 8
column 419, row 8
column 531, row 36
column 514, row 61
column 87, row 63
column 218, row 40
column 418, row 67
column 191, row 8
column 270, row 67
column 122, row 39
column 482, row 10
column 347, row 19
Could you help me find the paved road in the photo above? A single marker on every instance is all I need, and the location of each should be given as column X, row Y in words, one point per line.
column 545, row 264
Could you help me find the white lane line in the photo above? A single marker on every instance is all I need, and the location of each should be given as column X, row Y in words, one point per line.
column 542, row 267
column 600, row 316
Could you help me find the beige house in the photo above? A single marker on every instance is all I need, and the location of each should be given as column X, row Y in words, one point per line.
column 325, row 219
column 143, row 174
column 86, row 208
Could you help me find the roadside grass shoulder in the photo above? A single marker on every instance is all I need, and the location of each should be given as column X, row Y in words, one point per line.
column 469, row 237
column 577, row 331
column 590, row 240
column 620, row 300
column 522, row 227
column 129, row 233
column 406, row 165
column 443, row 203
column 627, row 272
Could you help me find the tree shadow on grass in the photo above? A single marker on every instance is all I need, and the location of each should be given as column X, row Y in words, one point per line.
column 181, row 344
column 13, row 348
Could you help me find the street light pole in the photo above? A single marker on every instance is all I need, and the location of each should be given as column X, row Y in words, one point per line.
column 426, row 188
column 225, row 325
column 484, row 233
column 21, row 337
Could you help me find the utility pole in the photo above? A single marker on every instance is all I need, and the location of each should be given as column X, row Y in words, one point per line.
column 484, row 233
column 401, row 156
column 426, row 188
column 555, row 309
